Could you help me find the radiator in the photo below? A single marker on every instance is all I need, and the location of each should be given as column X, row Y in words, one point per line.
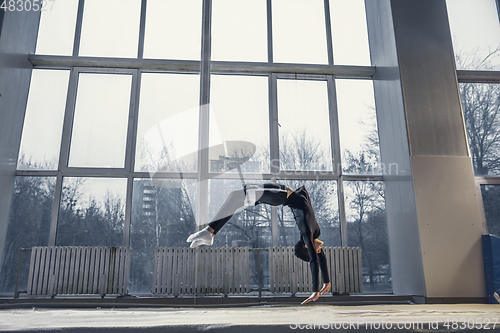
column 79, row 270
column 201, row 271
column 289, row 274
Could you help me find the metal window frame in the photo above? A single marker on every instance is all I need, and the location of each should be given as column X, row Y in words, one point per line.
column 205, row 67
column 480, row 181
column 78, row 28
column 64, row 170
column 498, row 8
column 487, row 77
column 478, row 76
column 241, row 67
column 270, row 52
column 142, row 29
column 490, row 77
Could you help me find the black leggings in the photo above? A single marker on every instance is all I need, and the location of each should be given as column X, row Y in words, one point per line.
column 271, row 194
column 274, row 195
column 313, row 264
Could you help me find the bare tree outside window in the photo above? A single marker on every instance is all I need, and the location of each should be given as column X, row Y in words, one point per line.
column 29, row 225
column 365, row 210
column 481, row 111
column 161, row 216
column 92, row 212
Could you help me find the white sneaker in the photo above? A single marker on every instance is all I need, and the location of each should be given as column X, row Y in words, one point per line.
column 202, row 237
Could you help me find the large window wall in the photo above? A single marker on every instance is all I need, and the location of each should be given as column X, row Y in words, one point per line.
column 475, row 28
column 134, row 137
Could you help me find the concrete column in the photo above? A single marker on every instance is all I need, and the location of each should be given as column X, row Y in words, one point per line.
column 404, row 241
column 448, row 216
column 17, row 40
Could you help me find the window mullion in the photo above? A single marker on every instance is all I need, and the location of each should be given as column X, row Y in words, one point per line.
column 269, row 32
column 498, row 8
column 274, row 148
column 132, row 122
column 130, row 153
column 273, row 125
column 78, row 29
column 334, row 127
column 128, row 210
column 142, row 30
column 328, row 26
column 68, row 119
column 56, row 204
column 484, row 223
column 342, row 214
column 337, row 156
column 203, row 163
column 64, row 150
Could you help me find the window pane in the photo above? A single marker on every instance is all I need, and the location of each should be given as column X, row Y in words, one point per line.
column 367, row 228
column 481, row 107
column 239, row 35
column 358, row 127
column 167, row 137
column 491, row 200
column 475, row 30
column 29, row 225
column 43, row 121
column 240, row 119
column 100, row 123
column 173, row 29
column 349, row 32
column 299, row 34
column 163, row 214
column 304, row 125
column 56, row 32
column 110, row 28
column 324, row 199
column 92, row 212
column 249, row 227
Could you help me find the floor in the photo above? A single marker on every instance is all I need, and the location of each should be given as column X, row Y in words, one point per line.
column 267, row 318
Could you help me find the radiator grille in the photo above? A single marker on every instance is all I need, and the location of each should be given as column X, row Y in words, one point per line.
column 289, row 274
column 201, row 271
column 79, row 270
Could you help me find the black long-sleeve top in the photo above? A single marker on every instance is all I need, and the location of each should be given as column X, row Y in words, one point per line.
column 300, row 203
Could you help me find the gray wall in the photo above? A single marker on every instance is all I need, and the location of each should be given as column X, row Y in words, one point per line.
column 17, row 40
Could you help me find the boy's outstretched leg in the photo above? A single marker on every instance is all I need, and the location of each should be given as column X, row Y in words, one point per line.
column 250, row 195
column 205, row 236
